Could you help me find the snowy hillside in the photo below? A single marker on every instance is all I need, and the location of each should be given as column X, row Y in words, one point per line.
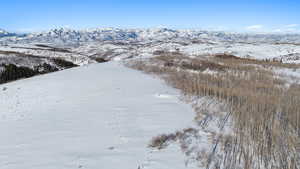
column 101, row 115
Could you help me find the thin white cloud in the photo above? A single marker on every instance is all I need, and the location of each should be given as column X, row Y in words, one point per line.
column 292, row 25
column 254, row 27
column 277, row 30
column 26, row 30
column 292, row 28
column 286, row 31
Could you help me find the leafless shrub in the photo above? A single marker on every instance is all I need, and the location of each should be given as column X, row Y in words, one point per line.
column 162, row 141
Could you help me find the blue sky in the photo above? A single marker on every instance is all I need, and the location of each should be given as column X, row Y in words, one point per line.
column 233, row 15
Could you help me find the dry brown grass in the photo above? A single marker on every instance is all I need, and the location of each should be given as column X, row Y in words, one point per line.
column 265, row 111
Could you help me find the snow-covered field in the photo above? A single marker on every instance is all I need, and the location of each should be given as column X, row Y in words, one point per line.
column 95, row 116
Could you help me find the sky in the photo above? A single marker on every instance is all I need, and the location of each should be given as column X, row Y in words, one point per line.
column 227, row 15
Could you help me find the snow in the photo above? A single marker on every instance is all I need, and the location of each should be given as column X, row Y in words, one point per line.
column 292, row 76
column 94, row 116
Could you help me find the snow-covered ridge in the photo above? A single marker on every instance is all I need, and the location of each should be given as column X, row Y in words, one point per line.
column 72, row 36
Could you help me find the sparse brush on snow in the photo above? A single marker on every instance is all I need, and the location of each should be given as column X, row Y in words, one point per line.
column 264, row 109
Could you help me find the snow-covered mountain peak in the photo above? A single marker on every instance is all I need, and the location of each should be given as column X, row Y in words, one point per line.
column 3, row 32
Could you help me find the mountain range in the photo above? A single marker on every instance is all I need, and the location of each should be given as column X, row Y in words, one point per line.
column 71, row 36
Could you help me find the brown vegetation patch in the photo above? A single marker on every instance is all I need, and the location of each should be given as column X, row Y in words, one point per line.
column 186, row 63
column 226, row 56
column 267, row 63
column 63, row 63
column 100, row 60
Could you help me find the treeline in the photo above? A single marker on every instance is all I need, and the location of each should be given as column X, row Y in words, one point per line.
column 13, row 72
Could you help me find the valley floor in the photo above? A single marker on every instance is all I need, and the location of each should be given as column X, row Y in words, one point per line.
column 95, row 116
